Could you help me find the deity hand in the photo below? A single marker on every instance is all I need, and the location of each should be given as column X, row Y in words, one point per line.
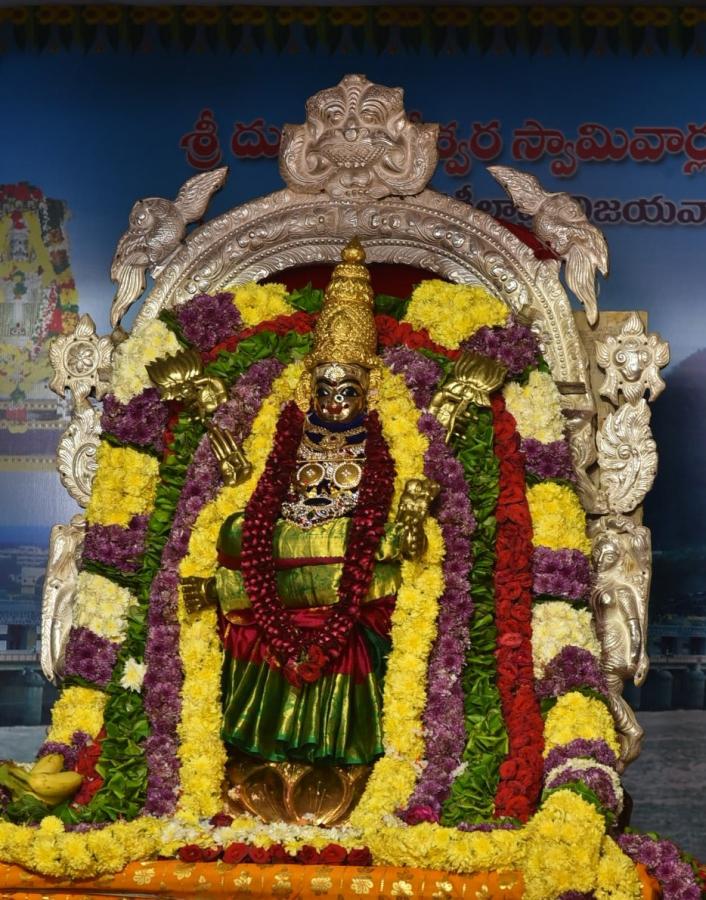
column 417, row 497
column 198, row 593
column 473, row 380
column 234, row 466
column 180, row 377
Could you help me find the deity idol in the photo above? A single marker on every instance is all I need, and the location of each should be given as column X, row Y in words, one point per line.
column 309, row 570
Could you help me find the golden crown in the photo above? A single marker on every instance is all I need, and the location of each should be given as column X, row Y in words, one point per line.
column 345, row 332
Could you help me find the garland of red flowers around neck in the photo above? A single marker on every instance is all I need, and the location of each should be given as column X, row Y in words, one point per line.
column 289, row 646
column 521, row 771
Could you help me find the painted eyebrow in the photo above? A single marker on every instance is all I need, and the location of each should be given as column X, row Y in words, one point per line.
column 340, row 384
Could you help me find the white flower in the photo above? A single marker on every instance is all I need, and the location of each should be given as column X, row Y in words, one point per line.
column 536, row 408
column 556, row 625
column 133, row 675
column 102, row 606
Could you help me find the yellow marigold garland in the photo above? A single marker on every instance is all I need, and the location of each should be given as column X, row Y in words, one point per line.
column 77, row 709
column 52, row 851
column 564, row 840
column 453, row 312
column 617, row 877
column 536, row 407
column 124, row 486
column 260, row 302
column 556, row 625
column 577, row 716
column 102, row 606
column 558, row 519
column 413, row 626
column 152, row 341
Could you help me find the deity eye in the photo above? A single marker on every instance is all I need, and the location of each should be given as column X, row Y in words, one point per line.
column 333, row 113
column 373, row 112
column 350, row 391
column 322, row 391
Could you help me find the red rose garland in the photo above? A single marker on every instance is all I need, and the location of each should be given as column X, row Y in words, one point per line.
column 521, row 771
column 301, row 322
column 390, row 334
column 302, row 658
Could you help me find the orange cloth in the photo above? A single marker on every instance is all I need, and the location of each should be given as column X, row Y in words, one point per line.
column 175, row 879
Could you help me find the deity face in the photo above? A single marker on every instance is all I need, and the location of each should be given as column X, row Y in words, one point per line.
column 631, row 358
column 606, row 553
column 340, row 393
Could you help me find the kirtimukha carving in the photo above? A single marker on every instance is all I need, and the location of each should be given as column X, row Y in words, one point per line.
column 358, row 142
column 561, row 223
column 631, row 361
column 621, row 555
column 65, row 545
column 81, row 362
column 157, row 228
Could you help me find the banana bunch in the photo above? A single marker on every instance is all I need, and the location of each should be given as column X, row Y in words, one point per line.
column 45, row 780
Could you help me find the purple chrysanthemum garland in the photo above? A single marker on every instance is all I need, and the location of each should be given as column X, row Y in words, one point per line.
column 552, row 460
column 141, row 421
column 599, row 779
column 561, row 573
column 444, row 729
column 571, row 669
column 662, row 860
column 70, row 752
column 207, row 319
column 513, row 345
column 90, row 656
column 444, row 719
column 164, row 676
column 581, row 748
column 115, row 546
column 420, row 373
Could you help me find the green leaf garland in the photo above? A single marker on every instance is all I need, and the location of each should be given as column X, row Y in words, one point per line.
column 472, row 793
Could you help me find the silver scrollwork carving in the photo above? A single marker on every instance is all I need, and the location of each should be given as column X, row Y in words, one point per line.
column 631, row 361
column 358, row 142
column 561, row 223
column 157, row 227
column 76, row 453
column 81, row 362
column 65, row 545
column 621, row 554
column 627, row 458
column 271, row 234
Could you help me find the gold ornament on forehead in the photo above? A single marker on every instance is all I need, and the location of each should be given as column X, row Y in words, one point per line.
column 345, row 338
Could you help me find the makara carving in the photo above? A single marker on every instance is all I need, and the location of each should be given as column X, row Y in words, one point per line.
column 631, row 361
column 65, row 545
column 621, row 555
column 560, row 222
column 358, row 142
column 76, row 453
column 81, row 362
column 157, row 227
column 627, row 459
